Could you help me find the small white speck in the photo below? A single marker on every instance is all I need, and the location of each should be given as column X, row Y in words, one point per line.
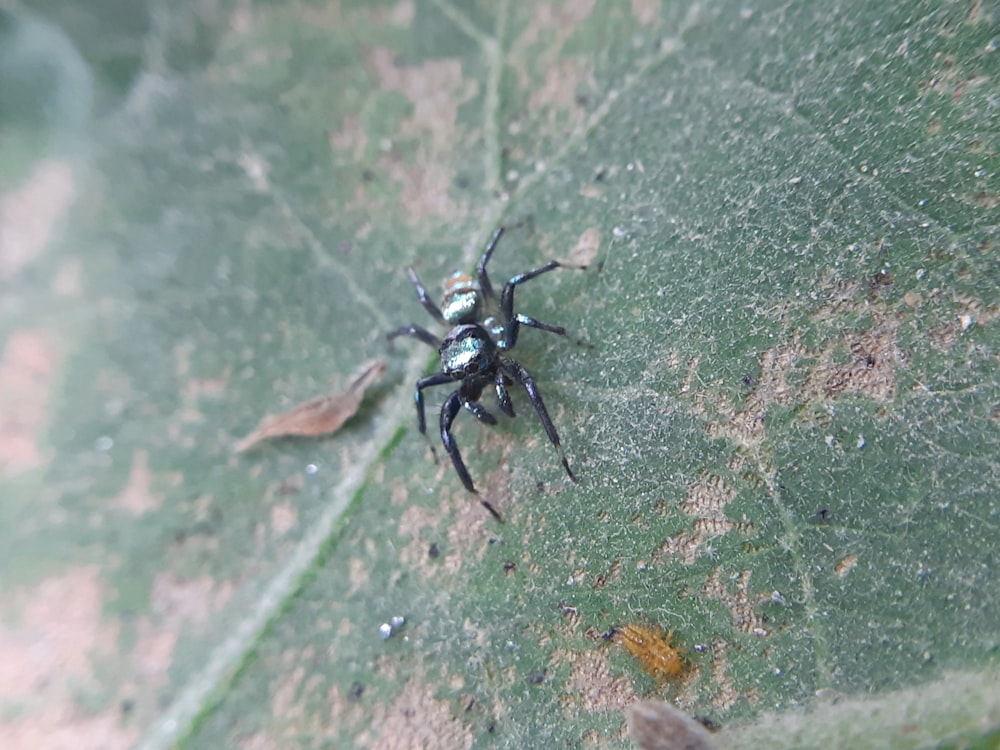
column 312, row 469
column 570, row 581
column 830, row 440
column 967, row 322
column 398, row 621
column 861, row 441
column 510, row 645
column 618, row 232
column 103, row 444
column 921, row 273
column 980, row 172
column 385, row 630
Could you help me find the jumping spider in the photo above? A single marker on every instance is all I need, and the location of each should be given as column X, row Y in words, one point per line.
column 473, row 353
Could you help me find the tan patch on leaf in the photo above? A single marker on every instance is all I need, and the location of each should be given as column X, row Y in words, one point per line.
column 727, row 694
column 178, row 601
column 706, row 502
column 27, row 369
column 154, row 652
column 870, row 369
column 30, row 214
column 137, row 497
column 559, row 89
column 740, row 603
column 646, row 11
column 46, row 660
column 417, row 721
column 436, row 89
column 320, row 416
column 587, row 247
column 594, row 686
column 284, row 516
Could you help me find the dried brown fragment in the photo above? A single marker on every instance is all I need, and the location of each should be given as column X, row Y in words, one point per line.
column 320, row 416
column 655, row 725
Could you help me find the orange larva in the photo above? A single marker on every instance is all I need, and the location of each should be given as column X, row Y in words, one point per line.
column 653, row 650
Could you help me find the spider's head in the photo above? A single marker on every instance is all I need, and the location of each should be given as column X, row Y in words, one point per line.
column 462, row 299
column 467, row 350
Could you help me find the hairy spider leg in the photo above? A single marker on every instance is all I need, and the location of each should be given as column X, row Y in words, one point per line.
column 511, row 321
column 422, row 295
column 481, row 275
column 520, row 375
column 416, row 332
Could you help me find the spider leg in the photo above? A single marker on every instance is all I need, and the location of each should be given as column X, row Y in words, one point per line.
column 502, row 381
column 437, row 379
column 416, row 332
column 448, row 412
column 479, row 411
column 422, row 295
column 481, row 275
column 522, row 376
column 512, row 322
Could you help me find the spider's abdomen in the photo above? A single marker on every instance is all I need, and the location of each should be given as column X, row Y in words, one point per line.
column 462, row 299
column 467, row 350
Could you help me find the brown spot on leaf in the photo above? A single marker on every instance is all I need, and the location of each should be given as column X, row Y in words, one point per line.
column 727, row 694
column 739, row 602
column 27, row 369
column 646, row 11
column 436, row 89
column 320, row 416
column 587, row 247
column 706, row 502
column 179, row 601
column 592, row 685
column 284, row 516
column 46, row 660
column 137, row 496
column 30, row 215
column 417, row 721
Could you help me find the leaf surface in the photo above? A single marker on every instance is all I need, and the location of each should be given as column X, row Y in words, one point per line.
column 780, row 390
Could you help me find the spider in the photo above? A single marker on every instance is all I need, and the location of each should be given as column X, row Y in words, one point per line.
column 474, row 353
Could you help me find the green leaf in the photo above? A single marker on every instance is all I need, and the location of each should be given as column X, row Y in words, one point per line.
column 779, row 392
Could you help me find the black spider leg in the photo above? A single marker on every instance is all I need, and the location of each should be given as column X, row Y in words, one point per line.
column 520, row 375
column 425, row 300
column 416, row 332
column 502, row 381
column 512, row 322
column 479, row 411
column 418, row 396
column 449, row 411
column 484, row 280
